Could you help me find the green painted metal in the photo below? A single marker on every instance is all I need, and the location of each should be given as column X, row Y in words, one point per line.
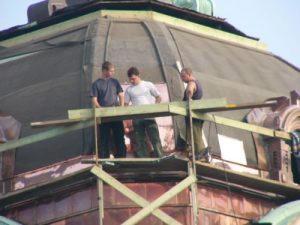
column 165, row 109
column 6, row 221
column 139, row 15
column 283, row 215
column 178, row 108
column 243, row 126
column 202, row 6
column 140, row 110
column 206, row 7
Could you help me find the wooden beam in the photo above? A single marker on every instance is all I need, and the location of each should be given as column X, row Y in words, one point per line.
column 243, row 126
column 231, row 107
column 174, row 108
column 45, row 135
column 145, row 161
column 232, row 123
column 161, row 200
column 145, row 110
column 180, row 108
column 131, row 195
column 48, row 123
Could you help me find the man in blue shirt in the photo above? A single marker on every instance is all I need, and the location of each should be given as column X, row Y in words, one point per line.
column 107, row 92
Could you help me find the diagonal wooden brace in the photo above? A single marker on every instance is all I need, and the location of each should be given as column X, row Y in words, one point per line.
column 161, row 200
column 132, row 195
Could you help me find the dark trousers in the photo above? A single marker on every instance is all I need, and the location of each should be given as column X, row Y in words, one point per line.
column 141, row 126
column 104, row 139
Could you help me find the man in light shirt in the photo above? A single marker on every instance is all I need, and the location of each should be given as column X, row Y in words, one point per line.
column 140, row 93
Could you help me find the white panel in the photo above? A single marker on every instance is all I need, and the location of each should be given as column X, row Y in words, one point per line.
column 232, row 149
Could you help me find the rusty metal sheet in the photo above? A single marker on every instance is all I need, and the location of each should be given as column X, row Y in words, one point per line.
column 216, row 206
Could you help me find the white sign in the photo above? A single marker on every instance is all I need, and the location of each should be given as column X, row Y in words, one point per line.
column 232, row 149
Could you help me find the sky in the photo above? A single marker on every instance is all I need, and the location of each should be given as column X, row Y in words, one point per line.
column 275, row 22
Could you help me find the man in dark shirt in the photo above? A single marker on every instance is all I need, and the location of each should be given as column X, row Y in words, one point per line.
column 107, row 92
column 194, row 91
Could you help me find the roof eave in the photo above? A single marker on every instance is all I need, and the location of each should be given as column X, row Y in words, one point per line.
column 138, row 5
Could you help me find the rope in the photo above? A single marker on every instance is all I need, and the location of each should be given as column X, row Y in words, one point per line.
column 225, row 173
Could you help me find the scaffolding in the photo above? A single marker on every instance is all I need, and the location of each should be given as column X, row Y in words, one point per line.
column 198, row 109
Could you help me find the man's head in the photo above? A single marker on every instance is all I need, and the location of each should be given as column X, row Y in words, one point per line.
column 186, row 74
column 108, row 69
column 134, row 75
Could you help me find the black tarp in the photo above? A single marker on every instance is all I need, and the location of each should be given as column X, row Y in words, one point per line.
column 41, row 81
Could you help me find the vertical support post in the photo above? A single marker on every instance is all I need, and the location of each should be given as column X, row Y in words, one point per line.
column 96, row 137
column 192, row 136
column 192, row 167
column 194, row 194
column 100, row 200
column 99, row 182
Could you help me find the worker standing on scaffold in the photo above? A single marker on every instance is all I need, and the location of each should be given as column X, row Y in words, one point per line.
column 107, row 92
column 194, row 91
column 142, row 92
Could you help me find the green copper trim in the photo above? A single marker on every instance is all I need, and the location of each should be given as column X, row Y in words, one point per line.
column 139, row 15
column 283, row 215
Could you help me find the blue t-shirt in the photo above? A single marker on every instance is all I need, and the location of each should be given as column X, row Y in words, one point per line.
column 106, row 91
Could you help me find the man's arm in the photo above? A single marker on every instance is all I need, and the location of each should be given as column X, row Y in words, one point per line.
column 121, row 98
column 95, row 102
column 154, row 92
column 190, row 89
column 126, row 97
column 158, row 99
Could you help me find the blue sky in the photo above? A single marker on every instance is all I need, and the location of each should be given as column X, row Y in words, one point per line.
column 274, row 22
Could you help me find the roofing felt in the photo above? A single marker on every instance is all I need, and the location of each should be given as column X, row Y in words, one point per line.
column 42, row 79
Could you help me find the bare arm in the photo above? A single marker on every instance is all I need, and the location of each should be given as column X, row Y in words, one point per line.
column 157, row 99
column 121, row 98
column 190, row 89
column 95, row 102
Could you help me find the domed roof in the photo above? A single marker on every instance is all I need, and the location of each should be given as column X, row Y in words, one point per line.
column 52, row 72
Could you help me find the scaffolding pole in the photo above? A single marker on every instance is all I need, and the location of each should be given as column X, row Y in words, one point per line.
column 99, row 181
column 192, row 166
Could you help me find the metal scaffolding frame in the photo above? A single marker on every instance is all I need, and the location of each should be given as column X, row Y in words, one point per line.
column 82, row 118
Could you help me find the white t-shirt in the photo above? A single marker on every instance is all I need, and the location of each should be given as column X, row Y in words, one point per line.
column 141, row 94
